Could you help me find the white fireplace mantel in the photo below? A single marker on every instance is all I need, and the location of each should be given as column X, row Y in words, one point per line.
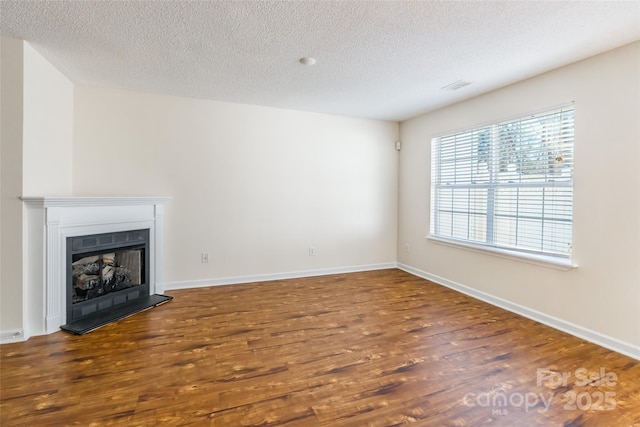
column 48, row 221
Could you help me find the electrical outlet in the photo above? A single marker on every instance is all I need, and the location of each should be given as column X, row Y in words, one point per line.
column 312, row 251
column 407, row 247
column 205, row 257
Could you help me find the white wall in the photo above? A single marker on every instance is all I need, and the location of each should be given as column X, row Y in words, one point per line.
column 11, row 77
column 37, row 117
column 603, row 293
column 48, row 128
column 254, row 187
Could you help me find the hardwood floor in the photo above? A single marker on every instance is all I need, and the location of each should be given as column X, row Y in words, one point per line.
column 379, row 348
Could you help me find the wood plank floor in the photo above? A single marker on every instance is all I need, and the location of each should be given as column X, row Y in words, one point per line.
column 380, row 348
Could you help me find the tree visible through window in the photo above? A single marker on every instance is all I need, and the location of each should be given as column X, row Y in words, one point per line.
column 507, row 185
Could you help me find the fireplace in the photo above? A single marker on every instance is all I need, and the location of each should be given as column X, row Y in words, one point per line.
column 124, row 234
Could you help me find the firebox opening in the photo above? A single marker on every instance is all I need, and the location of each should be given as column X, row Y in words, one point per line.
column 95, row 275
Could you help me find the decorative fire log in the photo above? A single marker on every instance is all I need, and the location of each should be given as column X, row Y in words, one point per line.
column 109, row 259
column 84, row 281
column 86, row 260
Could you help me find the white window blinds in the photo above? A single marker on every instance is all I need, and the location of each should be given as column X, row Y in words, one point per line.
column 507, row 185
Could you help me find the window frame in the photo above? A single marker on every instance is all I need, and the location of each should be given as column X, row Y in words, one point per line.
column 488, row 246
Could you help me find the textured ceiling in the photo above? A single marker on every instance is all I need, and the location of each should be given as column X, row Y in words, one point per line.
column 383, row 60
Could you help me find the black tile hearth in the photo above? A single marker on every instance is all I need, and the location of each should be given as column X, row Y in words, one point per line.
column 92, row 322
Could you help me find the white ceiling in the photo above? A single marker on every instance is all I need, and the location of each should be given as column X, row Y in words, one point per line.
column 381, row 60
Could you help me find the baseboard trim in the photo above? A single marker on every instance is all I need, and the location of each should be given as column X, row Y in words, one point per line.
column 12, row 335
column 275, row 276
column 606, row 341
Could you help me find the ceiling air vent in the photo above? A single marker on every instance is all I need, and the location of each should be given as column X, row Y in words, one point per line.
column 456, row 85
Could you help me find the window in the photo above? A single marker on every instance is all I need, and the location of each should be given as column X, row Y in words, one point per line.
column 507, row 186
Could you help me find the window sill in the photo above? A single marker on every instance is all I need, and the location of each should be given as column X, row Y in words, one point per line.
column 563, row 264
